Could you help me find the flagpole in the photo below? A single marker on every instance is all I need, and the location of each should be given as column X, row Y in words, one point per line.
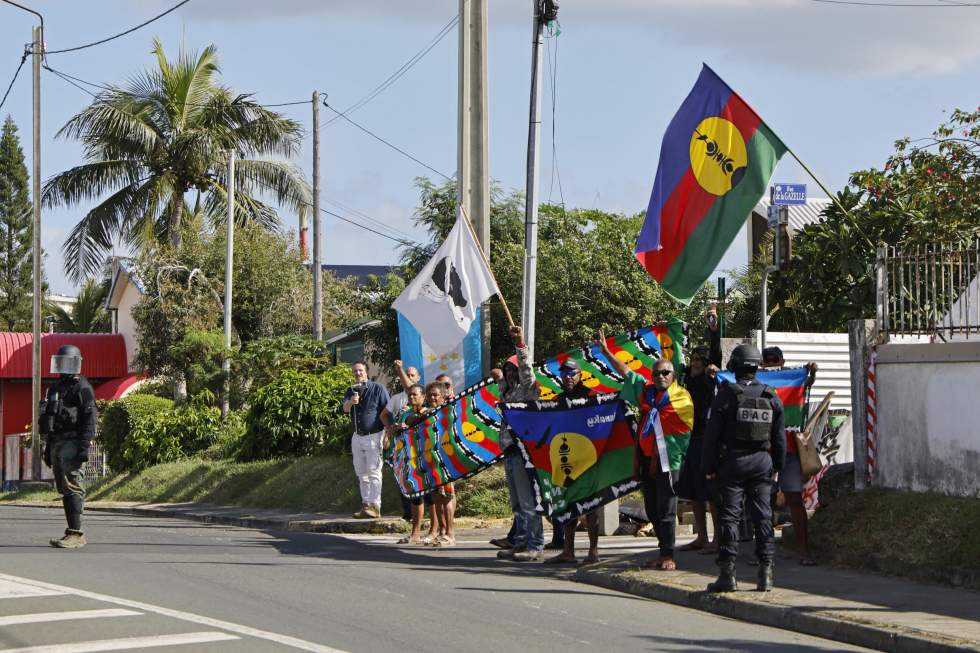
column 833, row 198
column 486, row 260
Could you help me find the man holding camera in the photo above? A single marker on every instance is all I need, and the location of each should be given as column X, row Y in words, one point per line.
column 67, row 420
column 364, row 402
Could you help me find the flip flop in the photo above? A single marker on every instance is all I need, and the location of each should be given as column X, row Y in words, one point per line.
column 590, row 561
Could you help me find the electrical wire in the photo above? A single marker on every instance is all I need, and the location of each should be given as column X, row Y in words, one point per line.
column 401, row 241
column 553, row 74
column 365, row 216
column 395, row 76
column 14, row 79
column 394, row 147
column 120, row 34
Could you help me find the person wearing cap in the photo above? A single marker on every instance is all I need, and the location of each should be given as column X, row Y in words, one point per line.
column 791, row 479
column 572, row 388
column 744, row 446
column 67, row 421
column 525, row 542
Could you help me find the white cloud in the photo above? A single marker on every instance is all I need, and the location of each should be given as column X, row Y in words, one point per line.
column 876, row 42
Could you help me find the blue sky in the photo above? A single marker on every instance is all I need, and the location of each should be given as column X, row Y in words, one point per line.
column 838, row 83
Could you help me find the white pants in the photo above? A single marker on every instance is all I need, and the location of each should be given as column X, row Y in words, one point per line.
column 367, row 466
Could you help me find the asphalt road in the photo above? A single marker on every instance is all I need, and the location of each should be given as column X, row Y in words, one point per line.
column 174, row 585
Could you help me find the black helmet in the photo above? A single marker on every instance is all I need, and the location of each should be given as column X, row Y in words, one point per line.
column 68, row 361
column 744, row 359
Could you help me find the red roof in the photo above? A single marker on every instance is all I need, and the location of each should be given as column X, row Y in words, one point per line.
column 103, row 354
column 116, row 388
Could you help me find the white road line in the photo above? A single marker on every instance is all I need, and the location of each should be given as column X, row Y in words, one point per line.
column 44, row 617
column 125, row 643
column 13, row 590
column 248, row 631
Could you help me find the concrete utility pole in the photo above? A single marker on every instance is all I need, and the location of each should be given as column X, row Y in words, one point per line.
column 473, row 168
column 37, row 51
column 545, row 11
column 229, row 269
column 317, row 263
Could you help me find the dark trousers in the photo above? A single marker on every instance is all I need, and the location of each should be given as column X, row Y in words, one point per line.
column 660, row 504
column 747, row 477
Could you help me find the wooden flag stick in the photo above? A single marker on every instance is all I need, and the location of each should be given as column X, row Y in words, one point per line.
column 486, row 260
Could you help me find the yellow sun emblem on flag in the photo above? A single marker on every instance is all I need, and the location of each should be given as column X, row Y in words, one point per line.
column 571, row 454
column 718, row 155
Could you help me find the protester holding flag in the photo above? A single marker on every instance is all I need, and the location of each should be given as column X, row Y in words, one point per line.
column 666, row 418
column 364, row 402
column 396, row 406
column 573, row 388
column 791, row 479
column 444, row 496
column 414, row 410
column 518, row 384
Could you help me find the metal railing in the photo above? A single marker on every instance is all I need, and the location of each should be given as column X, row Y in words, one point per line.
column 929, row 290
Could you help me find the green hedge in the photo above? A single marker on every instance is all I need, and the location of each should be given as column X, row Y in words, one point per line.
column 143, row 430
column 297, row 414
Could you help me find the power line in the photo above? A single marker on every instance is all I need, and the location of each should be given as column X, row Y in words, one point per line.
column 365, row 216
column 14, row 79
column 553, row 73
column 395, row 76
column 394, row 147
column 120, row 34
column 67, row 78
column 401, row 241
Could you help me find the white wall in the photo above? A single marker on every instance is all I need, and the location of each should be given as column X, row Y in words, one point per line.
column 929, row 418
column 831, row 353
column 125, row 325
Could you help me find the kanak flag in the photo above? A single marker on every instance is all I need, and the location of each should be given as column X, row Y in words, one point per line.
column 715, row 163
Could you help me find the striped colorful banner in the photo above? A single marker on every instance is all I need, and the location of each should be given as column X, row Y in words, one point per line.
column 790, row 384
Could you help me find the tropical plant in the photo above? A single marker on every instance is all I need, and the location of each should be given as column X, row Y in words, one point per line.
column 162, row 135
column 89, row 314
column 16, row 269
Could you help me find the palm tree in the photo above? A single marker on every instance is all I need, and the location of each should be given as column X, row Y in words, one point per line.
column 163, row 135
column 89, row 315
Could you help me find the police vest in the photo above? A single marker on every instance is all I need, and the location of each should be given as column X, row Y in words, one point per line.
column 753, row 414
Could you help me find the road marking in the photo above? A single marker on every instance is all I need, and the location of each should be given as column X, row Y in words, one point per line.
column 14, row 590
column 44, row 617
column 247, row 631
column 125, row 643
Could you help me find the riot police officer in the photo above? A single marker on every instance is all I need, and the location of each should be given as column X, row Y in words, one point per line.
column 67, row 421
column 744, row 445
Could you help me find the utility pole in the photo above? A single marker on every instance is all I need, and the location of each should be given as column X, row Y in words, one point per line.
column 545, row 11
column 473, row 167
column 229, row 269
column 37, row 51
column 317, row 263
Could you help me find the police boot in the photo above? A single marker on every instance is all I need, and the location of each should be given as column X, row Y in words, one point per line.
column 726, row 578
column 72, row 540
column 765, row 577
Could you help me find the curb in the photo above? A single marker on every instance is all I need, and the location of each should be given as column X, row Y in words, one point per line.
column 766, row 612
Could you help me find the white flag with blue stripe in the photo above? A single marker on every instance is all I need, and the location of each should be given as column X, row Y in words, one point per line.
column 463, row 364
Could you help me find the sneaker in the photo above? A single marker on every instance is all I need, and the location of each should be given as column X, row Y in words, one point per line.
column 373, row 511
column 508, row 554
column 359, row 512
column 71, row 540
column 529, row 556
column 502, row 543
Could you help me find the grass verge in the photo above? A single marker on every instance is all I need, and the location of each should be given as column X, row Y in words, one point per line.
column 930, row 537
column 310, row 484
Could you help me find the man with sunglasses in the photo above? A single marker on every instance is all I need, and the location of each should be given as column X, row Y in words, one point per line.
column 658, row 480
column 572, row 388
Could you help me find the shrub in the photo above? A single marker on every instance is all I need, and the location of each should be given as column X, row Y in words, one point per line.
column 297, row 414
column 143, row 430
column 124, row 426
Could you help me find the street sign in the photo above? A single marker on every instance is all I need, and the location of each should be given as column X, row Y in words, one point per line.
column 789, row 194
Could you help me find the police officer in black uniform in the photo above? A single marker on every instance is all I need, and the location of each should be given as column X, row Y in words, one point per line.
column 67, row 421
column 744, row 446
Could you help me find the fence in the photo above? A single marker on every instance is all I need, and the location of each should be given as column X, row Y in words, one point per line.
column 16, row 462
column 929, row 290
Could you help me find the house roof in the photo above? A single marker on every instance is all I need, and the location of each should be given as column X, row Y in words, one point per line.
column 360, row 272
column 103, row 354
column 123, row 270
column 800, row 215
column 338, row 335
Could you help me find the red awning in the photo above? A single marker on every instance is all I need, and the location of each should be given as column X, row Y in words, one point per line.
column 103, row 354
column 116, row 388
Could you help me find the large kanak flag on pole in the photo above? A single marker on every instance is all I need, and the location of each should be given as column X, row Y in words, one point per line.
column 443, row 300
column 715, row 163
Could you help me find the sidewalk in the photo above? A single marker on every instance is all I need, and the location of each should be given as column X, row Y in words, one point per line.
column 889, row 614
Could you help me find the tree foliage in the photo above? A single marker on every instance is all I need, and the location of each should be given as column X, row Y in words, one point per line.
column 16, row 229
column 164, row 133
column 89, row 314
column 927, row 192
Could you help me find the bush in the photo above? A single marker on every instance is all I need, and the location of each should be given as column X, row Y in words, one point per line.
column 297, row 414
column 143, row 430
column 124, row 425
